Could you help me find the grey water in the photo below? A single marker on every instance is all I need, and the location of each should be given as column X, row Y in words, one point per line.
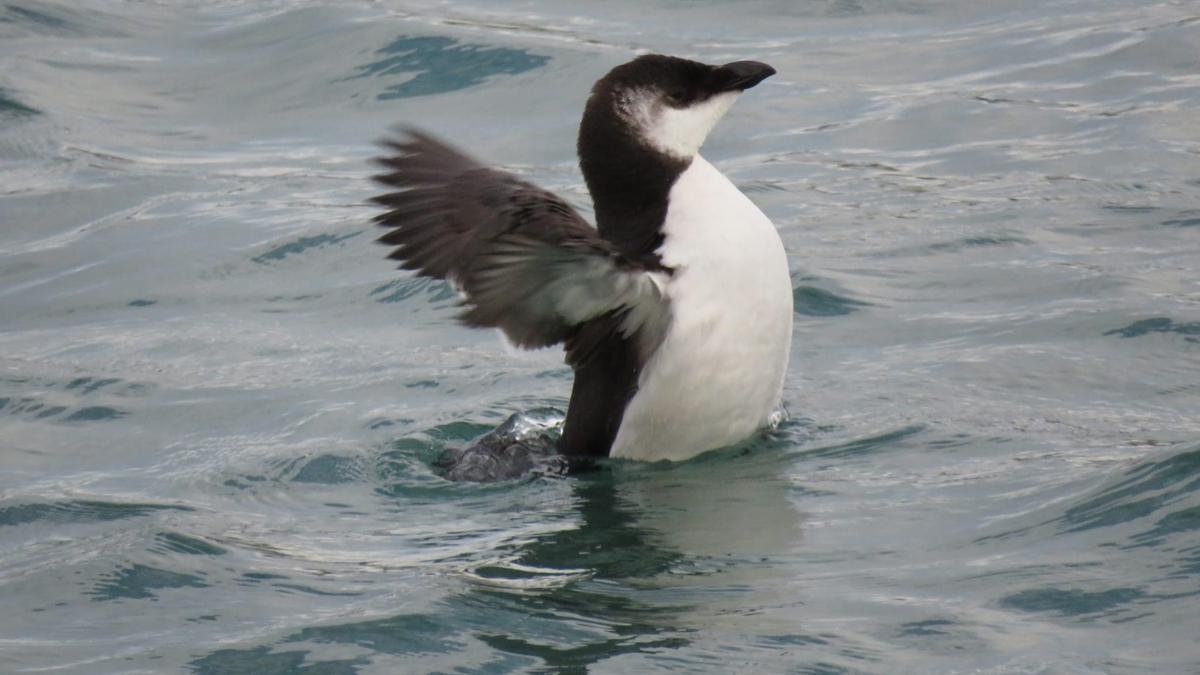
column 219, row 404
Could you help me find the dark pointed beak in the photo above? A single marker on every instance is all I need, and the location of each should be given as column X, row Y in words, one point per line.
column 741, row 75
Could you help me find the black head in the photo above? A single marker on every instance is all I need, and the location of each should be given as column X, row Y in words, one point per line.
column 669, row 104
column 643, row 124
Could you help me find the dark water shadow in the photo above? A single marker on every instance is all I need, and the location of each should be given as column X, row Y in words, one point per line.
column 1165, row 487
column 399, row 290
column 139, row 582
column 301, row 245
column 79, row 511
column 178, row 543
column 263, row 661
column 1161, row 324
column 439, row 65
column 1154, row 504
column 809, row 299
column 1073, row 602
column 865, row 446
column 43, row 20
column 13, row 109
column 1189, row 218
column 584, row 622
column 32, row 408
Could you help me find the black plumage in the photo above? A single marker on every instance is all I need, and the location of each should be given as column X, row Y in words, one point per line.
column 526, row 262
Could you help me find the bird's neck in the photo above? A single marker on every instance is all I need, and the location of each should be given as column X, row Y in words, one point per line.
column 629, row 184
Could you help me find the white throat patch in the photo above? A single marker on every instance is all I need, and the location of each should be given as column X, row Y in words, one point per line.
column 676, row 131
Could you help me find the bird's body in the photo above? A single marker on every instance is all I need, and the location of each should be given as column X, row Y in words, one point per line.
column 675, row 311
column 718, row 375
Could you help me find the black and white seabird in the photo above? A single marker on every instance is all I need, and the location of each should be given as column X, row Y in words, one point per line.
column 675, row 310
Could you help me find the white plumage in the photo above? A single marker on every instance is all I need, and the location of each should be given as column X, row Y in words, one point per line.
column 718, row 375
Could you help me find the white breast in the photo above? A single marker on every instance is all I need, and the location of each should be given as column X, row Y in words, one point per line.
column 718, row 374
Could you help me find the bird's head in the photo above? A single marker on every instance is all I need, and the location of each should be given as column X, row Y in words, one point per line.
column 667, row 104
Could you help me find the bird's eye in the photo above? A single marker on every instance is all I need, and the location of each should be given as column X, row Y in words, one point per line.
column 676, row 96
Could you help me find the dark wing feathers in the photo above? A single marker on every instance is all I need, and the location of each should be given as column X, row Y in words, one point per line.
column 526, row 261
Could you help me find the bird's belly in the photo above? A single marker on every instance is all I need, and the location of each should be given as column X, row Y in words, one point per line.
column 718, row 375
column 704, row 389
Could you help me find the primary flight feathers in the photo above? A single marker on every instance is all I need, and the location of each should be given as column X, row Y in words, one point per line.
column 526, row 261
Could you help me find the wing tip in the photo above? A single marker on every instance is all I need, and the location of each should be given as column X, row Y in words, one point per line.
column 404, row 137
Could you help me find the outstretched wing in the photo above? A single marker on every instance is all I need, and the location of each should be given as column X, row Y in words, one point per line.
column 526, row 261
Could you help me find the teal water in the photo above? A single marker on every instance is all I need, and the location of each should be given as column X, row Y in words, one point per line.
column 218, row 402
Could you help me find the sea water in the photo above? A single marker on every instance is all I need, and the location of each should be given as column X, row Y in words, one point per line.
column 219, row 403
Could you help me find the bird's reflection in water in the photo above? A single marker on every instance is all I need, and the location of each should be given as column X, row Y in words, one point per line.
column 593, row 613
column 660, row 552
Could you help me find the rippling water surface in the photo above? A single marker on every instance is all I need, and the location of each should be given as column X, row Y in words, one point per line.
column 218, row 403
